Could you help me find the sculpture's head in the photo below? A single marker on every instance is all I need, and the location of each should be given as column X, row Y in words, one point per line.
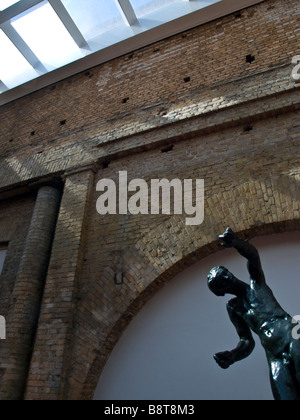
column 220, row 281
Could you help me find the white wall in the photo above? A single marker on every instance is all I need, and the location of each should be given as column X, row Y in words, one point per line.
column 166, row 353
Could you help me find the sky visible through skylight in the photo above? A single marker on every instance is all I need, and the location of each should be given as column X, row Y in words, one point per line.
column 4, row 4
column 95, row 20
column 41, row 31
column 13, row 65
column 143, row 7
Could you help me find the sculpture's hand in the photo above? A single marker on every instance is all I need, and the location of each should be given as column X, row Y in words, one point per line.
column 224, row 359
column 228, row 238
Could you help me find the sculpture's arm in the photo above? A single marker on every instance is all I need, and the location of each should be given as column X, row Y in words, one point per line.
column 246, row 343
column 230, row 239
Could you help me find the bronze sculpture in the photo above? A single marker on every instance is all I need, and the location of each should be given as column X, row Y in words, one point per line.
column 255, row 309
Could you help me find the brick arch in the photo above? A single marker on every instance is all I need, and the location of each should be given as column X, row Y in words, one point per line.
column 255, row 208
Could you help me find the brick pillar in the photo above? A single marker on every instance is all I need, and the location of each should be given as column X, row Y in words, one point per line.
column 22, row 319
column 47, row 378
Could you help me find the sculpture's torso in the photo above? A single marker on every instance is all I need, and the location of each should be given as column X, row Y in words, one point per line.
column 267, row 319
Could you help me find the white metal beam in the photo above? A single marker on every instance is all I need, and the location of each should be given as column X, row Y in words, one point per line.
column 127, row 11
column 24, row 49
column 68, row 22
column 16, row 9
column 3, row 87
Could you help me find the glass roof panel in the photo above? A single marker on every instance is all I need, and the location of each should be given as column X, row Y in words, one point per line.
column 4, row 4
column 47, row 37
column 143, row 7
column 14, row 69
column 94, row 17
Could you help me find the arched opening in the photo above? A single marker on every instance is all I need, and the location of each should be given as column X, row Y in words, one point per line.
column 167, row 350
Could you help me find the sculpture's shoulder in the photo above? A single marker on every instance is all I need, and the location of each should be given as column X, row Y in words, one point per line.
column 263, row 304
column 260, row 294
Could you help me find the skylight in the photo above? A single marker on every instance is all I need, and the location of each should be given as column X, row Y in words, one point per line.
column 4, row 4
column 144, row 7
column 98, row 17
column 14, row 67
column 40, row 36
column 43, row 31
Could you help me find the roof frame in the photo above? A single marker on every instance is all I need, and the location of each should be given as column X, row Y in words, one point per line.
column 17, row 9
column 68, row 23
column 127, row 11
column 3, row 87
column 22, row 6
column 24, row 49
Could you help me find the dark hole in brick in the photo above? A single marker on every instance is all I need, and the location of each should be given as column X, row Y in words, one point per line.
column 11, row 140
column 125, row 100
column 106, row 164
column 167, row 149
column 130, row 57
column 156, row 50
column 2, row 372
column 248, row 128
column 63, row 122
column 53, row 87
column 87, row 73
column 250, row 58
column 119, row 278
column 184, row 36
column 32, row 133
column 238, row 15
column 187, row 79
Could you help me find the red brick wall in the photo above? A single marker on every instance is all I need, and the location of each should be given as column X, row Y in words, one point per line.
column 153, row 79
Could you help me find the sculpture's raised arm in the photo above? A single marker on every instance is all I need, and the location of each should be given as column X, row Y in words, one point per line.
column 231, row 240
